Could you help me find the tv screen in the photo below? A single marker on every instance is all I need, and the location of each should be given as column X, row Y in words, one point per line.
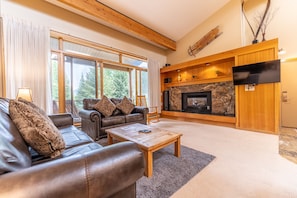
column 257, row 73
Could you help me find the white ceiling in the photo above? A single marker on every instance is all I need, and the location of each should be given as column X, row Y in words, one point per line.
column 172, row 18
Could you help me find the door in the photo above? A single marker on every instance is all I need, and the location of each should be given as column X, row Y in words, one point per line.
column 80, row 83
column 289, row 93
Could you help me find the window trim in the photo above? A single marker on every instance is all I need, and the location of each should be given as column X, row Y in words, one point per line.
column 100, row 64
column 73, row 39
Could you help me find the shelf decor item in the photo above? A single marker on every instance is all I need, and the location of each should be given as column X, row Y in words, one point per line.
column 204, row 41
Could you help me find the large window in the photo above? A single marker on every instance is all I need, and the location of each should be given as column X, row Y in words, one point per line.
column 144, row 83
column 55, row 82
column 80, row 83
column 116, row 82
column 81, row 69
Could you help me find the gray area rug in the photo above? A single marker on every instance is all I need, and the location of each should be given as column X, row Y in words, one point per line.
column 171, row 173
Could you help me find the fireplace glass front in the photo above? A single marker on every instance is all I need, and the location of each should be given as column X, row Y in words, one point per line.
column 197, row 102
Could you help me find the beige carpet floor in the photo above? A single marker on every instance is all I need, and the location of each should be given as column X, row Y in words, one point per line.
column 247, row 164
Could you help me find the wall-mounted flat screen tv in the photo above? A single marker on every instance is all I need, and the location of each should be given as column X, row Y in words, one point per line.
column 257, row 73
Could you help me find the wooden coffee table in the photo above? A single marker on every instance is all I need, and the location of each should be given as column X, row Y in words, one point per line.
column 147, row 142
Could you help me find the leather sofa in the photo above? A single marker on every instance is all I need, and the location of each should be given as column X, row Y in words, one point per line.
column 84, row 169
column 94, row 123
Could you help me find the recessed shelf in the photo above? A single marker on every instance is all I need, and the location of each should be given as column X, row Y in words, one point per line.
column 199, row 81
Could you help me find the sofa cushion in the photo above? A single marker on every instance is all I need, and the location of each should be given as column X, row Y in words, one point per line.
column 14, row 153
column 37, row 131
column 105, row 106
column 76, row 150
column 116, row 112
column 113, row 120
column 116, row 101
column 134, row 117
column 126, row 106
column 81, row 149
column 74, row 137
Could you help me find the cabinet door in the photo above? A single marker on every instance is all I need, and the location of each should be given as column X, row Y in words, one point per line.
column 258, row 109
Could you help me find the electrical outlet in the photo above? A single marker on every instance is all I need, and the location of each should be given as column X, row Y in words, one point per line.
column 250, row 87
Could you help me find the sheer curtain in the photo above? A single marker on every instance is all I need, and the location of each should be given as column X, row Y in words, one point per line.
column 2, row 68
column 27, row 59
column 154, row 83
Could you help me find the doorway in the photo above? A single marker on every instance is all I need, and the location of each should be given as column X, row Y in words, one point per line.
column 289, row 93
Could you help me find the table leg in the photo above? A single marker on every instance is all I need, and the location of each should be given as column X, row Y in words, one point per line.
column 149, row 163
column 109, row 139
column 177, row 147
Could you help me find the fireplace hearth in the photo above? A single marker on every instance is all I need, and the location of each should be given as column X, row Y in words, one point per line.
column 197, row 102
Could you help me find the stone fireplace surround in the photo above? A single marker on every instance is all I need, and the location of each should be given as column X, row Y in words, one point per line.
column 222, row 94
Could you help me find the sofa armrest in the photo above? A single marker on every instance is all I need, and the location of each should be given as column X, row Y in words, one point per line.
column 100, row 173
column 92, row 115
column 90, row 122
column 62, row 119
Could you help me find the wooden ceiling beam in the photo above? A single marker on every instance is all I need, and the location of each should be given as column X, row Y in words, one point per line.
column 115, row 18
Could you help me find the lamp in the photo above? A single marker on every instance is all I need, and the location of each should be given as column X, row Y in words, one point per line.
column 25, row 93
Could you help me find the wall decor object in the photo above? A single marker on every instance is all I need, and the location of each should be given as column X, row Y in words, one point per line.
column 262, row 21
column 204, row 41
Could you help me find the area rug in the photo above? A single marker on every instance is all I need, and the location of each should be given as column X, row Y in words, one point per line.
column 171, row 173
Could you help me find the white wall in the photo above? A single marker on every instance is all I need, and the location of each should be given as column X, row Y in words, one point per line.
column 236, row 32
column 228, row 19
column 283, row 26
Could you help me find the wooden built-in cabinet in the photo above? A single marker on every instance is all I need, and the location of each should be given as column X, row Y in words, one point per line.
column 203, row 73
column 257, row 110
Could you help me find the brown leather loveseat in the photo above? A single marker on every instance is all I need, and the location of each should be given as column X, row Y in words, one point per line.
column 95, row 124
column 84, row 168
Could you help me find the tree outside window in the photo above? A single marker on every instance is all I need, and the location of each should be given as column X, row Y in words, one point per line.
column 116, row 83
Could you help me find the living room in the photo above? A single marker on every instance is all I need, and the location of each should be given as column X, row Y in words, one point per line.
column 235, row 35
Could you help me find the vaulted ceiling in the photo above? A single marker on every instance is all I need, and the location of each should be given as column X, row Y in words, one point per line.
column 160, row 22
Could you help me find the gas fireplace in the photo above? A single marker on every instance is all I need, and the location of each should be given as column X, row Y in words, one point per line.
column 197, row 102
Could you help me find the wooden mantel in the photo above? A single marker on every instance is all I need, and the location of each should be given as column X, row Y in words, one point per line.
column 101, row 13
column 257, row 110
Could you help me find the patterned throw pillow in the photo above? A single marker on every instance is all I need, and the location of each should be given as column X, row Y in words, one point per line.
column 35, row 107
column 36, row 130
column 126, row 106
column 105, row 106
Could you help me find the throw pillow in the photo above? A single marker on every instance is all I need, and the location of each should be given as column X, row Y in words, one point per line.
column 126, row 106
column 38, row 109
column 105, row 106
column 36, row 130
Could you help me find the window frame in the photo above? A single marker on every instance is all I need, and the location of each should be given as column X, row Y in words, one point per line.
column 100, row 65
